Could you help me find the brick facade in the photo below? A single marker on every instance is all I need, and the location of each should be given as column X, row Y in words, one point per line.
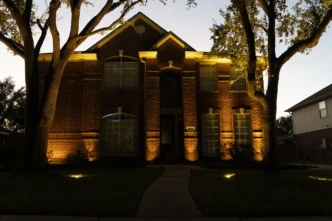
column 83, row 101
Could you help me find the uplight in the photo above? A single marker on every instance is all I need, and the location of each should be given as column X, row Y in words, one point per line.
column 229, row 175
column 76, row 176
column 320, row 178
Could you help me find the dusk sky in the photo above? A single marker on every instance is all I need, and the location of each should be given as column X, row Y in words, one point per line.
column 300, row 77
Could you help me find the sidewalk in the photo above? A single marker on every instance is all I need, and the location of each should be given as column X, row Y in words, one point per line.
column 169, row 196
column 63, row 218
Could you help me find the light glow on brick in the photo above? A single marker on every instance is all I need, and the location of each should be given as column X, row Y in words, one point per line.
column 191, row 151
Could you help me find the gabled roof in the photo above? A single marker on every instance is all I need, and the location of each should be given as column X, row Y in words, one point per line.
column 127, row 24
column 175, row 38
column 316, row 97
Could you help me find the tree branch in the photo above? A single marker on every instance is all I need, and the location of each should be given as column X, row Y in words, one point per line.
column 310, row 42
column 23, row 26
column 262, row 27
column 12, row 45
column 88, row 30
column 41, row 39
column 264, row 6
column 27, row 10
column 54, row 5
column 95, row 20
column 250, row 37
column 75, row 7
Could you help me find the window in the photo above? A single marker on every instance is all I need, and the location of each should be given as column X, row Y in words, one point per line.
column 242, row 129
column 322, row 109
column 119, row 135
column 238, row 80
column 208, row 77
column 120, row 72
column 210, row 134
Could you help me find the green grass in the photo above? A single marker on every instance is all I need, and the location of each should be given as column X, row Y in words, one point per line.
column 107, row 192
column 251, row 193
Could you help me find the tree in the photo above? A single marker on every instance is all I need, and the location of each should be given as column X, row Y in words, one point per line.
column 254, row 27
column 12, row 103
column 285, row 124
column 18, row 24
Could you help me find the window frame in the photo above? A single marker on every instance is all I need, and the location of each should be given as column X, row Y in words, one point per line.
column 203, row 79
column 250, row 140
column 106, row 143
column 237, row 81
column 206, row 149
column 322, row 109
column 111, row 86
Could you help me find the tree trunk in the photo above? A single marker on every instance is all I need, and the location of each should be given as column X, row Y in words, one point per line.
column 46, row 113
column 40, row 145
column 31, row 111
column 271, row 97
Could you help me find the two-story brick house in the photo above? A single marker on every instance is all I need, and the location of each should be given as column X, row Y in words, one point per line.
column 142, row 91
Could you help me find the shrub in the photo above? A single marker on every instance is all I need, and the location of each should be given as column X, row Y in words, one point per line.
column 81, row 156
column 242, row 153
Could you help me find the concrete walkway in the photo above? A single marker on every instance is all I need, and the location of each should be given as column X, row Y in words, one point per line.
column 169, row 196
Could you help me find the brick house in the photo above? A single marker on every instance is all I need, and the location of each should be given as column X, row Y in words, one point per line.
column 312, row 125
column 143, row 92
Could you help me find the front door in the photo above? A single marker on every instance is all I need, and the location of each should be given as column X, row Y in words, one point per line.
column 171, row 138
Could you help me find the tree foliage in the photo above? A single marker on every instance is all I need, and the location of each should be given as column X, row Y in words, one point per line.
column 296, row 24
column 12, row 104
column 253, row 28
column 284, row 124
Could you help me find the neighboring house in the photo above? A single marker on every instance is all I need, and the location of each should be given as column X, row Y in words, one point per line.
column 312, row 125
column 4, row 136
column 143, row 92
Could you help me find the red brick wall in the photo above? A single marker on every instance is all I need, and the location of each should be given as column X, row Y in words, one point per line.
column 190, row 116
column 227, row 103
column 152, row 118
column 82, row 100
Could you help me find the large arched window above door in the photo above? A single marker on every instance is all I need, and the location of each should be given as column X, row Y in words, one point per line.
column 118, row 135
column 120, row 72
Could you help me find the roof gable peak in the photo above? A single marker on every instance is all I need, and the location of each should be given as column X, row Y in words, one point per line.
column 127, row 24
column 176, row 39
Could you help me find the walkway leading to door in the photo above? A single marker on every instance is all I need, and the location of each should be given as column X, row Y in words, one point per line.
column 169, row 196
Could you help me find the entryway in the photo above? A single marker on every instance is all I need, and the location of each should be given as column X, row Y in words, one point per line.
column 171, row 117
column 171, row 142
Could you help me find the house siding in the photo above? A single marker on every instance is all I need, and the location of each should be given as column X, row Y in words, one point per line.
column 307, row 119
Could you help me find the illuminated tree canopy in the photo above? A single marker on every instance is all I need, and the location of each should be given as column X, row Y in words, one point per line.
column 253, row 28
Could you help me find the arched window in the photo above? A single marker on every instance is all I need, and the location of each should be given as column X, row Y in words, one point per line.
column 118, row 135
column 120, row 72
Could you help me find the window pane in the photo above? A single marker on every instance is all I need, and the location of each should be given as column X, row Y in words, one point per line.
column 208, row 77
column 238, row 80
column 119, row 135
column 323, row 112
column 120, row 72
column 322, row 105
column 210, row 134
column 242, row 129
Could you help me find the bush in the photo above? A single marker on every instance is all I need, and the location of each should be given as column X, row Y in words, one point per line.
column 242, row 153
column 80, row 157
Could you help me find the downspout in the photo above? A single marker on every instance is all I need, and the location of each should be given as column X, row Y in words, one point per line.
column 145, row 108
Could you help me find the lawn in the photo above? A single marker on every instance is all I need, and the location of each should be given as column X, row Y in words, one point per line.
column 104, row 192
column 251, row 193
